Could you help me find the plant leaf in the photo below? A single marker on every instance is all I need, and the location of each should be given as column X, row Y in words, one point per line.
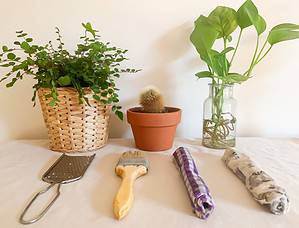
column 52, row 103
column 25, row 46
column 64, row 81
column 96, row 97
column 286, row 26
column 120, row 115
column 95, row 88
column 2, row 79
column 204, row 74
column 11, row 56
column 11, row 84
column 203, row 38
column 219, row 62
column 226, row 50
column 235, row 78
column 260, row 25
column 248, row 15
column 248, row 8
column 283, row 32
column 4, row 48
column 224, row 19
column 89, row 28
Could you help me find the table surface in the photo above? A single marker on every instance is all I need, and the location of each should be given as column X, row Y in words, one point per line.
column 161, row 199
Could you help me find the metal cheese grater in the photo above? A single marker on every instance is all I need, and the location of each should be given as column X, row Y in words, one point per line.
column 66, row 169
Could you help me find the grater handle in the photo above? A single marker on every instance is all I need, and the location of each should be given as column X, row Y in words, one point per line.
column 38, row 217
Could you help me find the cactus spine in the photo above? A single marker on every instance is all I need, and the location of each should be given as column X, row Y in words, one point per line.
column 151, row 100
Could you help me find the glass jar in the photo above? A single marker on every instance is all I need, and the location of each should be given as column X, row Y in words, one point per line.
column 219, row 121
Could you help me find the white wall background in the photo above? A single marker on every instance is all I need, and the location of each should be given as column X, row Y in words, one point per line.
column 156, row 33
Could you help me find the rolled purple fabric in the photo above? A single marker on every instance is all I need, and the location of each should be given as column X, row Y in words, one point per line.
column 198, row 191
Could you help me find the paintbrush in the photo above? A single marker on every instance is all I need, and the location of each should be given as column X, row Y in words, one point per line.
column 130, row 166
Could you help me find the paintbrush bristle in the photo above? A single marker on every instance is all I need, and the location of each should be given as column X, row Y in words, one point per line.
column 133, row 158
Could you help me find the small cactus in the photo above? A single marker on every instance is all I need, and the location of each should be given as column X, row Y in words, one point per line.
column 151, row 100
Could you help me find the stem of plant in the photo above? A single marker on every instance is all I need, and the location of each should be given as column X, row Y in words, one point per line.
column 258, row 60
column 263, row 47
column 237, row 46
column 224, row 46
column 254, row 57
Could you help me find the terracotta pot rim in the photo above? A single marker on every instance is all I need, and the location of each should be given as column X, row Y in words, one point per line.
column 136, row 111
column 153, row 120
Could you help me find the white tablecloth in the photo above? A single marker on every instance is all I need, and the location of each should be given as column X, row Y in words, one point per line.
column 160, row 197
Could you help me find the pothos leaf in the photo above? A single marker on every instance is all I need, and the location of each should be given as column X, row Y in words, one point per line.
column 220, row 64
column 243, row 18
column 224, row 19
column 235, row 78
column 248, row 15
column 283, row 32
column 204, row 74
column 204, row 43
column 260, row 25
column 226, row 50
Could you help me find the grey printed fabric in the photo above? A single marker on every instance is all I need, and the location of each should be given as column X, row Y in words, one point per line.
column 260, row 184
column 198, row 191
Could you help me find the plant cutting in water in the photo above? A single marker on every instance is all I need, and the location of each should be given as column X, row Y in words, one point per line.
column 221, row 23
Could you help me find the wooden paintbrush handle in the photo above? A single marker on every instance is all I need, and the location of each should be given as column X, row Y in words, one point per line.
column 124, row 197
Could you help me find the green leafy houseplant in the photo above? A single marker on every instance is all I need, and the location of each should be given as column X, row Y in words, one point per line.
column 221, row 23
column 94, row 64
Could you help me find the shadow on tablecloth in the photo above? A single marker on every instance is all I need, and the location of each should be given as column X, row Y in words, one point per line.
column 108, row 183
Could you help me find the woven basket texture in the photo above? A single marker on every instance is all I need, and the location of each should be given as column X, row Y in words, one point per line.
column 75, row 127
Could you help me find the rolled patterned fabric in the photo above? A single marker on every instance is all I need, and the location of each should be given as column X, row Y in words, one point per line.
column 260, row 184
column 198, row 191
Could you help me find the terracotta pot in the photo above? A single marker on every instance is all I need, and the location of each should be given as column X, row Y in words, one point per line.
column 154, row 131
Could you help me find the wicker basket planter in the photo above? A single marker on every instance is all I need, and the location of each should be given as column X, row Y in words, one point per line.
column 75, row 127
